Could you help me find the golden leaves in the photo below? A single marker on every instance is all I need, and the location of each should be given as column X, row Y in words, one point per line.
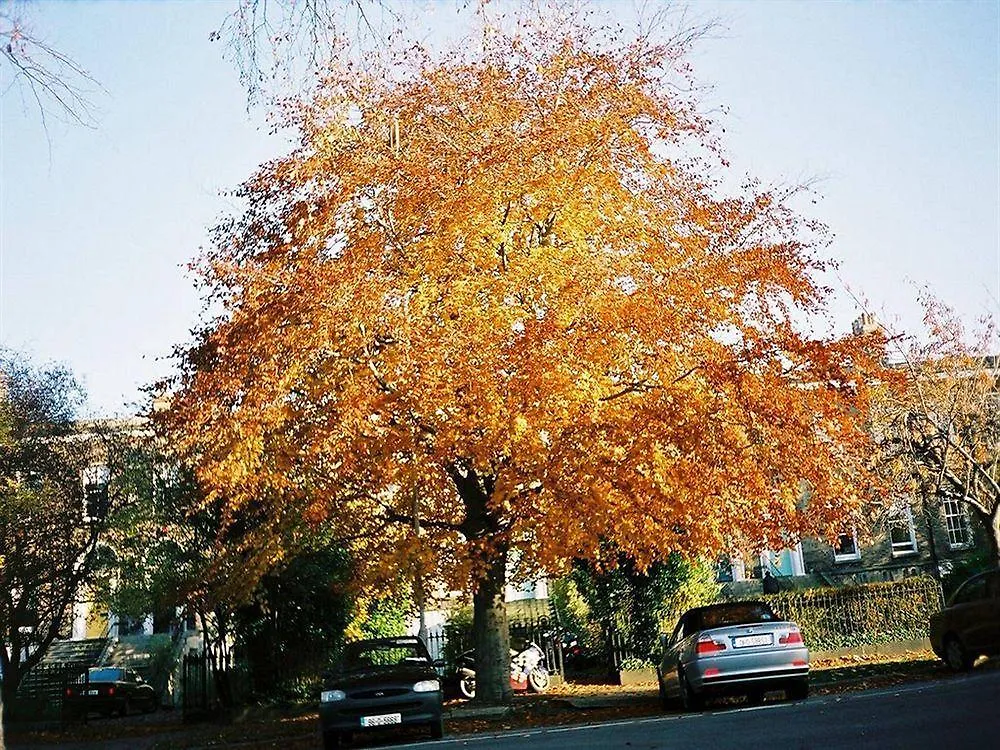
column 529, row 283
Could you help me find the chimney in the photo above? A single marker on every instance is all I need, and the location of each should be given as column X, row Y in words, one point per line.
column 867, row 323
column 162, row 402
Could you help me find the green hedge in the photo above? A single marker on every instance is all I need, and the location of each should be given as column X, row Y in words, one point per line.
column 862, row 615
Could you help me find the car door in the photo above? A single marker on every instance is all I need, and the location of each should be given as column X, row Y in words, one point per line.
column 991, row 633
column 970, row 615
column 668, row 664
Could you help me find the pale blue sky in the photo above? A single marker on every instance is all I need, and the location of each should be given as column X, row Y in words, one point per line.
column 895, row 105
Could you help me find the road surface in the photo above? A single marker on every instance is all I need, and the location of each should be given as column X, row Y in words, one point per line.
column 950, row 714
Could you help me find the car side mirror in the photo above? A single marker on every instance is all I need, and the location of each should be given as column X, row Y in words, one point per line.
column 438, row 663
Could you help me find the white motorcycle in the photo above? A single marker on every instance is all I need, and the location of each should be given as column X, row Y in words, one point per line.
column 527, row 671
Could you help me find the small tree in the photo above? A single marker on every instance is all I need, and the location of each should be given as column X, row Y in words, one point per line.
column 50, row 522
column 296, row 618
column 641, row 604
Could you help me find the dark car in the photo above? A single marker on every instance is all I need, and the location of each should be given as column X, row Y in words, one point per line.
column 108, row 690
column 384, row 682
column 969, row 626
column 734, row 648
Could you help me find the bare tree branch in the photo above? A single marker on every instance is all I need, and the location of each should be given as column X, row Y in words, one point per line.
column 55, row 84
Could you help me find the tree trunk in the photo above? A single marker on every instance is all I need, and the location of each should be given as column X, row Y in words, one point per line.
column 12, row 677
column 491, row 634
column 12, row 667
column 489, row 615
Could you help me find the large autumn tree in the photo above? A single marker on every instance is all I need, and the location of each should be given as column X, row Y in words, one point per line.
column 496, row 312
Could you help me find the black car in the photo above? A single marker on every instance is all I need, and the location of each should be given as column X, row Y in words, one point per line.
column 108, row 690
column 970, row 625
column 384, row 682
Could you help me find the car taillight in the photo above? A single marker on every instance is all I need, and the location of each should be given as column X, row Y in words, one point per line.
column 111, row 690
column 793, row 636
column 69, row 692
column 708, row 646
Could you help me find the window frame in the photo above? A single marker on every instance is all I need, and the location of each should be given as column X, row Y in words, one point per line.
column 962, row 514
column 851, row 556
column 902, row 513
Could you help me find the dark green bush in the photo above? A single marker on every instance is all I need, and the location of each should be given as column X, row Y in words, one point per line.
column 862, row 615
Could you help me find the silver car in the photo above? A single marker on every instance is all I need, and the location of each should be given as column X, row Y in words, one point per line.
column 734, row 648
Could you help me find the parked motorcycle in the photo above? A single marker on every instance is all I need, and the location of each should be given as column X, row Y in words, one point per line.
column 527, row 671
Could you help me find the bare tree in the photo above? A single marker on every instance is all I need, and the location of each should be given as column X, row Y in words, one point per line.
column 290, row 42
column 943, row 433
column 46, row 78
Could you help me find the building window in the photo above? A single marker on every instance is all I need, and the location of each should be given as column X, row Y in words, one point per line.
column 846, row 548
column 957, row 523
column 901, row 532
column 95, row 492
column 730, row 568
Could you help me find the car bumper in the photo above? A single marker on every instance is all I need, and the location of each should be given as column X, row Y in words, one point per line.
column 347, row 715
column 98, row 704
column 733, row 673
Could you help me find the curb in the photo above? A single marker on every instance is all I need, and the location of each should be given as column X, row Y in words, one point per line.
column 478, row 712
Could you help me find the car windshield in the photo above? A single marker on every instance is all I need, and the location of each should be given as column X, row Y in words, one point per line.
column 742, row 613
column 105, row 674
column 366, row 655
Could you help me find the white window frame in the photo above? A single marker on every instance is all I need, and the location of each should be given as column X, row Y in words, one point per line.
column 902, row 513
column 794, row 557
column 95, row 475
column 737, row 569
column 851, row 556
column 962, row 515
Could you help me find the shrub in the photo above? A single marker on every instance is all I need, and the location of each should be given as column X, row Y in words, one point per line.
column 458, row 635
column 861, row 615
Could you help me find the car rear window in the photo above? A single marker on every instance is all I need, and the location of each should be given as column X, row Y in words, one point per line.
column 106, row 674
column 367, row 655
column 742, row 613
column 972, row 590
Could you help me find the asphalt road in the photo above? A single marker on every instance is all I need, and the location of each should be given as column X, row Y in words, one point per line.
column 952, row 714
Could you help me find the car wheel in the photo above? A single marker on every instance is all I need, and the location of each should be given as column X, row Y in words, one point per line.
column 437, row 729
column 689, row 698
column 467, row 687
column 798, row 691
column 331, row 740
column 539, row 680
column 955, row 655
column 126, row 708
column 150, row 705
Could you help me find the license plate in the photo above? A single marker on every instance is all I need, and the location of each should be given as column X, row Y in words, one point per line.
column 744, row 641
column 381, row 720
column 93, row 692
